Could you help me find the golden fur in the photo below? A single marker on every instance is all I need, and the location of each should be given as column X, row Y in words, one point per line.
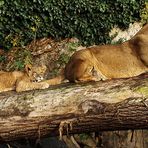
column 124, row 60
column 23, row 81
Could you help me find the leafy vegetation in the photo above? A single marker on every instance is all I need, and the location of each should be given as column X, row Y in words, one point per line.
column 16, row 59
column 144, row 14
column 88, row 20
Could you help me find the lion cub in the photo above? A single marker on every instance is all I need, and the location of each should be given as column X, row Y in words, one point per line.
column 23, row 81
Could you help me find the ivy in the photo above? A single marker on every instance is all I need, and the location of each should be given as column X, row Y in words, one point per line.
column 88, row 20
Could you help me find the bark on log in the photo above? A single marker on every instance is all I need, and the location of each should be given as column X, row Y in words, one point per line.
column 118, row 104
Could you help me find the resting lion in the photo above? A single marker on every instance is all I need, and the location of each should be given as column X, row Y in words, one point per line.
column 103, row 62
column 23, row 81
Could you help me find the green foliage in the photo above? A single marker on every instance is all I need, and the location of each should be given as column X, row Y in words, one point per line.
column 63, row 59
column 22, row 57
column 72, row 46
column 2, row 58
column 19, row 65
column 88, row 20
column 84, row 136
column 16, row 60
column 144, row 14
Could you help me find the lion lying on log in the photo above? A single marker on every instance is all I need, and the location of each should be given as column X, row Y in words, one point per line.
column 91, row 64
column 103, row 62
column 23, row 81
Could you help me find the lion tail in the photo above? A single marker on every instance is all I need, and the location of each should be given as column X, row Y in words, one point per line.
column 57, row 80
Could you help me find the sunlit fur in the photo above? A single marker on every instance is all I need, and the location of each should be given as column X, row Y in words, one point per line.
column 23, row 81
column 124, row 60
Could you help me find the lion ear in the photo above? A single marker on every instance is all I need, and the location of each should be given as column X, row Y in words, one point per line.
column 28, row 68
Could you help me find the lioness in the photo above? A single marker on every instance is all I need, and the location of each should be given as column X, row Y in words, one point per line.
column 23, row 81
column 108, row 61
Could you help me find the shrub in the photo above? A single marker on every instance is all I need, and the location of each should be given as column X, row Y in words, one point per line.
column 144, row 14
column 88, row 20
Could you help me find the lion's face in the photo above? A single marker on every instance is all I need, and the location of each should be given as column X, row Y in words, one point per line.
column 35, row 73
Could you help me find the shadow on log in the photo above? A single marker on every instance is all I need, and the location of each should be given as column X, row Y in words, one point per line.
column 118, row 104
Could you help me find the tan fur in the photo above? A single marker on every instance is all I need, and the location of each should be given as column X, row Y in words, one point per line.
column 108, row 61
column 23, row 81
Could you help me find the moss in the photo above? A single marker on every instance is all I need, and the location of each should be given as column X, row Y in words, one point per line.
column 84, row 136
column 143, row 90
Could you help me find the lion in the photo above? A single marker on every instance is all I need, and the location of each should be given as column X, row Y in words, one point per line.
column 102, row 62
column 23, row 81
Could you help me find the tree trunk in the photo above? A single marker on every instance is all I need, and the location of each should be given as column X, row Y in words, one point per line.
column 117, row 104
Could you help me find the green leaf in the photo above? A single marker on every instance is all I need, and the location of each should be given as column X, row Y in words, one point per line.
column 2, row 3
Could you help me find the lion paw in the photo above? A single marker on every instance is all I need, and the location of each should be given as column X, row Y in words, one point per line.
column 45, row 85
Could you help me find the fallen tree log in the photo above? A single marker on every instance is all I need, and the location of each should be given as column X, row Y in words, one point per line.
column 118, row 104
